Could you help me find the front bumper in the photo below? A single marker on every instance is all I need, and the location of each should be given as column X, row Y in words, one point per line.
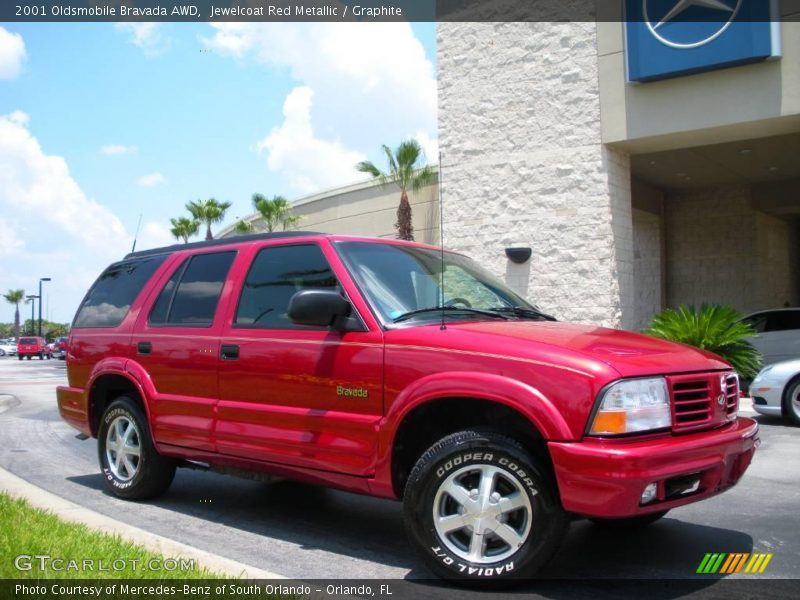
column 605, row 478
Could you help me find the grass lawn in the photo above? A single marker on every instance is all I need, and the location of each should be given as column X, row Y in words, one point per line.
column 25, row 530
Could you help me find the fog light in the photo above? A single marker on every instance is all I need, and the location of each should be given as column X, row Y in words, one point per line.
column 649, row 494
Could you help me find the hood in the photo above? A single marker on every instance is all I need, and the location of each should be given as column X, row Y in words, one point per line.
column 630, row 354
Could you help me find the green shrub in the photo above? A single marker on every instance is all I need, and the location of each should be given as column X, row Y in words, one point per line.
column 716, row 328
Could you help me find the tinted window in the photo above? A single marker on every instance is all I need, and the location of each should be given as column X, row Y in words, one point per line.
column 275, row 276
column 158, row 315
column 783, row 320
column 194, row 300
column 110, row 298
column 27, row 341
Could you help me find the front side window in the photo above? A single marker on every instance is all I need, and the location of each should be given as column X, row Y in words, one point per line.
column 110, row 298
column 398, row 280
column 277, row 274
column 191, row 295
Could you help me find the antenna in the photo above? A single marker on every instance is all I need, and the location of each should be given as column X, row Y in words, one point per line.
column 136, row 235
column 443, row 326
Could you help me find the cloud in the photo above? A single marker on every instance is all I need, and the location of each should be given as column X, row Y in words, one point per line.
column 371, row 82
column 151, row 180
column 154, row 235
column 308, row 163
column 114, row 149
column 66, row 235
column 10, row 242
column 147, row 36
column 430, row 146
column 12, row 54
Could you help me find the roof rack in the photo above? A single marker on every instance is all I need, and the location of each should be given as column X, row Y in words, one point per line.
column 253, row 237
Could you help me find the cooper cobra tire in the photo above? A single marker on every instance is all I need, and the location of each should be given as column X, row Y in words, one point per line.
column 131, row 467
column 481, row 511
column 630, row 522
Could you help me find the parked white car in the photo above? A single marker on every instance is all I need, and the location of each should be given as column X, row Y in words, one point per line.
column 778, row 334
column 776, row 390
column 8, row 348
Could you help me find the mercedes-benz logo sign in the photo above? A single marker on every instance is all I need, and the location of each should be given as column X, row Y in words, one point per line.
column 662, row 20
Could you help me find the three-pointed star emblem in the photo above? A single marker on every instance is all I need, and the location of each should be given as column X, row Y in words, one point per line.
column 682, row 5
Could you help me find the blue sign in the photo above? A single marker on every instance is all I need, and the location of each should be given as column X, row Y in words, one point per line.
column 668, row 38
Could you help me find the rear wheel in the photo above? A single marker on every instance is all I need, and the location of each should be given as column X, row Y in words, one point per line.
column 19, row 356
column 791, row 401
column 481, row 510
column 129, row 461
column 41, row 355
column 629, row 522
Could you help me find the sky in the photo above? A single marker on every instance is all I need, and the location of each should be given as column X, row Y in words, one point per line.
column 101, row 123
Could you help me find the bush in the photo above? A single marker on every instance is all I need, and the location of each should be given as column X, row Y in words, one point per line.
column 716, row 328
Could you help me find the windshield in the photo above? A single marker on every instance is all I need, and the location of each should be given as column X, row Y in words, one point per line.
column 398, row 280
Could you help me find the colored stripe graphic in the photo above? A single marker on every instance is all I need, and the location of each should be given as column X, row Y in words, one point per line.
column 727, row 564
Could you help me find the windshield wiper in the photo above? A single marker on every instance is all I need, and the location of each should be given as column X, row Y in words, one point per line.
column 523, row 312
column 439, row 309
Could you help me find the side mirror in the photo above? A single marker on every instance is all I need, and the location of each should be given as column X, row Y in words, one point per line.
column 322, row 308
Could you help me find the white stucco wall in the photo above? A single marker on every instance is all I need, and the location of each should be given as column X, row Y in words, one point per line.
column 523, row 163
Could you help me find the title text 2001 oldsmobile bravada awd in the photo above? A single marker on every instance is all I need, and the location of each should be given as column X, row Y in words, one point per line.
column 358, row 363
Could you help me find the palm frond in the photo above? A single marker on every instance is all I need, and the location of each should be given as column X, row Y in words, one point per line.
column 716, row 328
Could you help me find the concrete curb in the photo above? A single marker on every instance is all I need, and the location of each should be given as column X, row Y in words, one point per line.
column 68, row 511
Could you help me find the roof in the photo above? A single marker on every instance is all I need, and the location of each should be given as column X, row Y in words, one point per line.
column 254, row 237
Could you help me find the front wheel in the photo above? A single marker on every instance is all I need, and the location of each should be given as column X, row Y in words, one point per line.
column 131, row 466
column 791, row 401
column 480, row 509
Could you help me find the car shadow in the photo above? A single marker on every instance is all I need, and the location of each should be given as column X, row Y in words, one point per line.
column 773, row 421
column 366, row 528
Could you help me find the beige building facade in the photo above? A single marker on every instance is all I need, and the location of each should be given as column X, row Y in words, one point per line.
column 633, row 197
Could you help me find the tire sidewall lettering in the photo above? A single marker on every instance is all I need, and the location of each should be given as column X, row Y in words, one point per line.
column 108, row 418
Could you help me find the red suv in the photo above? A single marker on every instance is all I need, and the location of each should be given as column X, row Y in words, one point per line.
column 397, row 370
column 28, row 347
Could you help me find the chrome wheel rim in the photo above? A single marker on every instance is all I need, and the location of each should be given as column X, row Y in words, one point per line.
column 795, row 401
column 482, row 514
column 123, row 448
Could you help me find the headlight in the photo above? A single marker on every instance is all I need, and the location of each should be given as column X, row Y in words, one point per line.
column 631, row 406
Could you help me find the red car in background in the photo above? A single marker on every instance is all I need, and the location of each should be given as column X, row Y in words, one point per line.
column 397, row 370
column 31, row 346
column 60, row 348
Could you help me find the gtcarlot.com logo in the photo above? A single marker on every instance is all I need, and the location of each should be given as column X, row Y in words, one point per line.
column 726, row 564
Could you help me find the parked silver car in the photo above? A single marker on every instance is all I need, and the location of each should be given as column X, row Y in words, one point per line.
column 776, row 390
column 778, row 334
column 8, row 348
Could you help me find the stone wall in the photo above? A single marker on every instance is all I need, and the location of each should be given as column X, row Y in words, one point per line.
column 646, row 267
column 523, row 163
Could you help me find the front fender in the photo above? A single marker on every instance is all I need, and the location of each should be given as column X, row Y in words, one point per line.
column 521, row 397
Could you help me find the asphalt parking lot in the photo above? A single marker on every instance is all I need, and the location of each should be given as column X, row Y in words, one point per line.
column 302, row 531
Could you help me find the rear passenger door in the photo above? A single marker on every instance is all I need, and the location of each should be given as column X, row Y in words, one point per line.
column 298, row 395
column 177, row 342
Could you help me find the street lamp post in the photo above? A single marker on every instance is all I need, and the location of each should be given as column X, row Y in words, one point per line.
column 40, row 303
column 32, row 299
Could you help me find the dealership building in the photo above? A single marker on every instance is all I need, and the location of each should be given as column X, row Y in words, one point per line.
column 645, row 164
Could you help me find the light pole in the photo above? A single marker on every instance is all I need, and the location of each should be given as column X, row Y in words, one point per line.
column 40, row 303
column 33, row 303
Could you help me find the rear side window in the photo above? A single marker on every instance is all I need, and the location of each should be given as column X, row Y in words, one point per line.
column 111, row 296
column 783, row 320
column 191, row 295
column 277, row 274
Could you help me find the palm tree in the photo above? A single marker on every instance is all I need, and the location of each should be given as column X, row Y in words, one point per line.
column 15, row 297
column 243, row 227
column 209, row 212
column 404, row 171
column 275, row 211
column 718, row 329
column 183, row 228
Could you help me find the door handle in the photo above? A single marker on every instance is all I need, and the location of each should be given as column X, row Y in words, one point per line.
column 229, row 352
column 144, row 348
